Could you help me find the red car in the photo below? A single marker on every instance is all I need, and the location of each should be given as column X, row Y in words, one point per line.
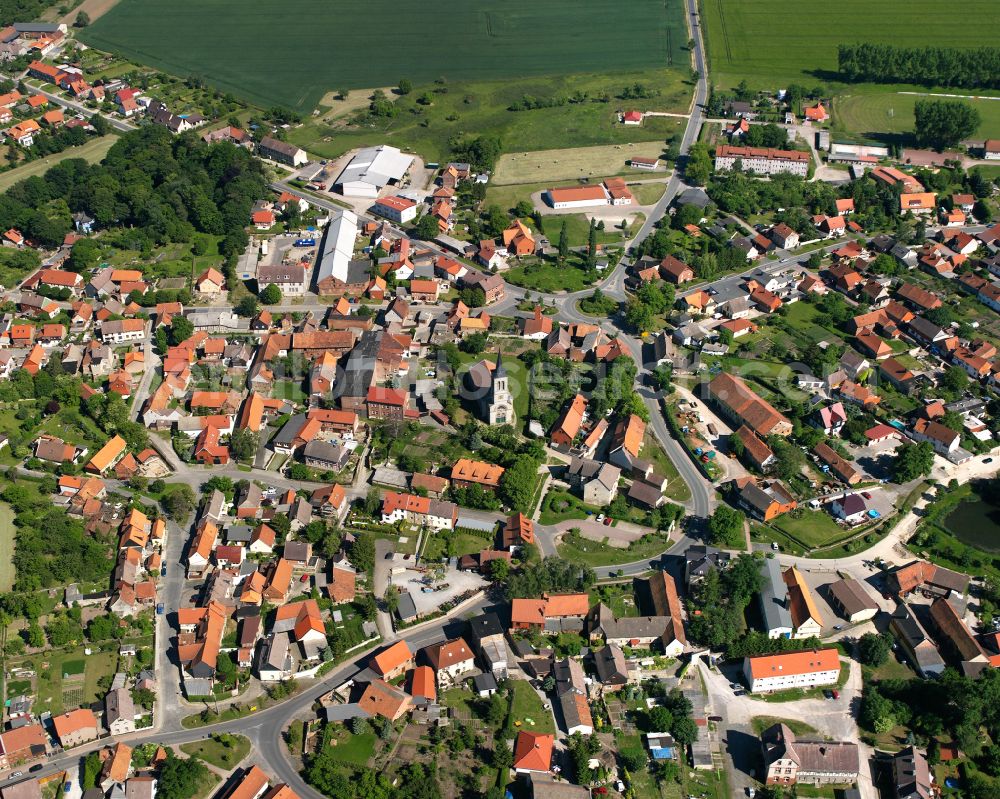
column 607, row 521
column 836, row 693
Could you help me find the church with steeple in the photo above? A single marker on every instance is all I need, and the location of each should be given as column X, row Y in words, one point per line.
column 499, row 405
column 490, row 389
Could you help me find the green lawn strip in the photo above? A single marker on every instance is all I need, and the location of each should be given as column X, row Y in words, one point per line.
column 217, row 752
column 618, row 597
column 761, row 723
column 528, row 709
column 7, row 544
column 600, row 553
column 206, row 784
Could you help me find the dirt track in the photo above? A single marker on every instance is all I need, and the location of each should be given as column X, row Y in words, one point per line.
column 93, row 8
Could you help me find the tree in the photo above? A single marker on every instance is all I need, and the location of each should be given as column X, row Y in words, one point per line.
column 502, row 758
column 499, row 569
column 955, row 379
column 517, row 483
column 179, row 503
column 428, row 227
column 496, row 710
column 789, row 459
column 944, row 123
column 181, row 329
column 659, row 719
column 876, row 712
column 271, row 295
column 685, row 731
column 563, row 241
column 873, row 649
column 725, row 527
column 699, row 164
column 243, row 444
column 247, row 307
column 180, row 779
column 362, row 554
column 405, row 86
column 82, row 20
column 912, row 461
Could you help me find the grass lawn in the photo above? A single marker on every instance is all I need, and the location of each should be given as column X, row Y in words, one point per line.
column 355, row 750
column 549, row 277
column 579, row 162
column 289, row 390
column 761, row 723
column 527, row 708
column 517, row 376
column 463, row 544
column 7, row 535
column 213, row 751
column 814, row 528
column 561, row 505
column 648, row 193
column 600, row 553
column 484, row 40
column 866, row 113
column 578, row 230
column 761, row 42
column 92, row 152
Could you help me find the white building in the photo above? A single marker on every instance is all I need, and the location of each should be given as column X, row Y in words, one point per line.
column 762, row 160
column 371, row 170
column 792, row 670
column 397, row 209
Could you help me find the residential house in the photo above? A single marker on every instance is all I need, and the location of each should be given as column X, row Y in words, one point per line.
column 807, row 669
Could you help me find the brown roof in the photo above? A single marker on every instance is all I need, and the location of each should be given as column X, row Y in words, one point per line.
column 757, row 413
column 852, row 596
column 382, row 699
column 448, row 653
column 952, row 627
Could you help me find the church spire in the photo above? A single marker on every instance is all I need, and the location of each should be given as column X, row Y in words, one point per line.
column 498, row 370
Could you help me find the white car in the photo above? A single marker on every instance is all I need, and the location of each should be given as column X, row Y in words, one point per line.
column 600, row 518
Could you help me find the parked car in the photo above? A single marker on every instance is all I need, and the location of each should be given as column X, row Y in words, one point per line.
column 836, row 693
column 163, row 571
column 607, row 521
column 17, row 774
column 159, row 609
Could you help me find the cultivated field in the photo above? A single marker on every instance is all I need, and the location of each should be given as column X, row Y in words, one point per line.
column 93, row 151
column 773, row 42
column 579, row 162
column 883, row 112
column 293, row 53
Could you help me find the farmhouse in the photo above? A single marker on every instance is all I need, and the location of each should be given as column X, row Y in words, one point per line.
column 371, row 170
column 282, row 152
column 336, row 271
column 740, row 405
column 613, row 191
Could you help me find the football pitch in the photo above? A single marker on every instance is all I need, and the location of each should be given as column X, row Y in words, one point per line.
column 291, row 53
column 771, row 43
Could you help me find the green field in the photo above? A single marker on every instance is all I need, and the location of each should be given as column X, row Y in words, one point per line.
column 92, row 152
column 7, row 543
column 770, row 43
column 483, row 107
column 868, row 114
column 294, row 53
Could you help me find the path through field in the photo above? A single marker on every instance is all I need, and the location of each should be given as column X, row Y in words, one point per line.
column 93, row 9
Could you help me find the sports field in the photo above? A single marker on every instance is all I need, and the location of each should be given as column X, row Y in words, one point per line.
column 293, row 52
column 890, row 112
column 774, row 42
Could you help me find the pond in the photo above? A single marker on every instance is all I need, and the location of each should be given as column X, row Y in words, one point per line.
column 976, row 522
